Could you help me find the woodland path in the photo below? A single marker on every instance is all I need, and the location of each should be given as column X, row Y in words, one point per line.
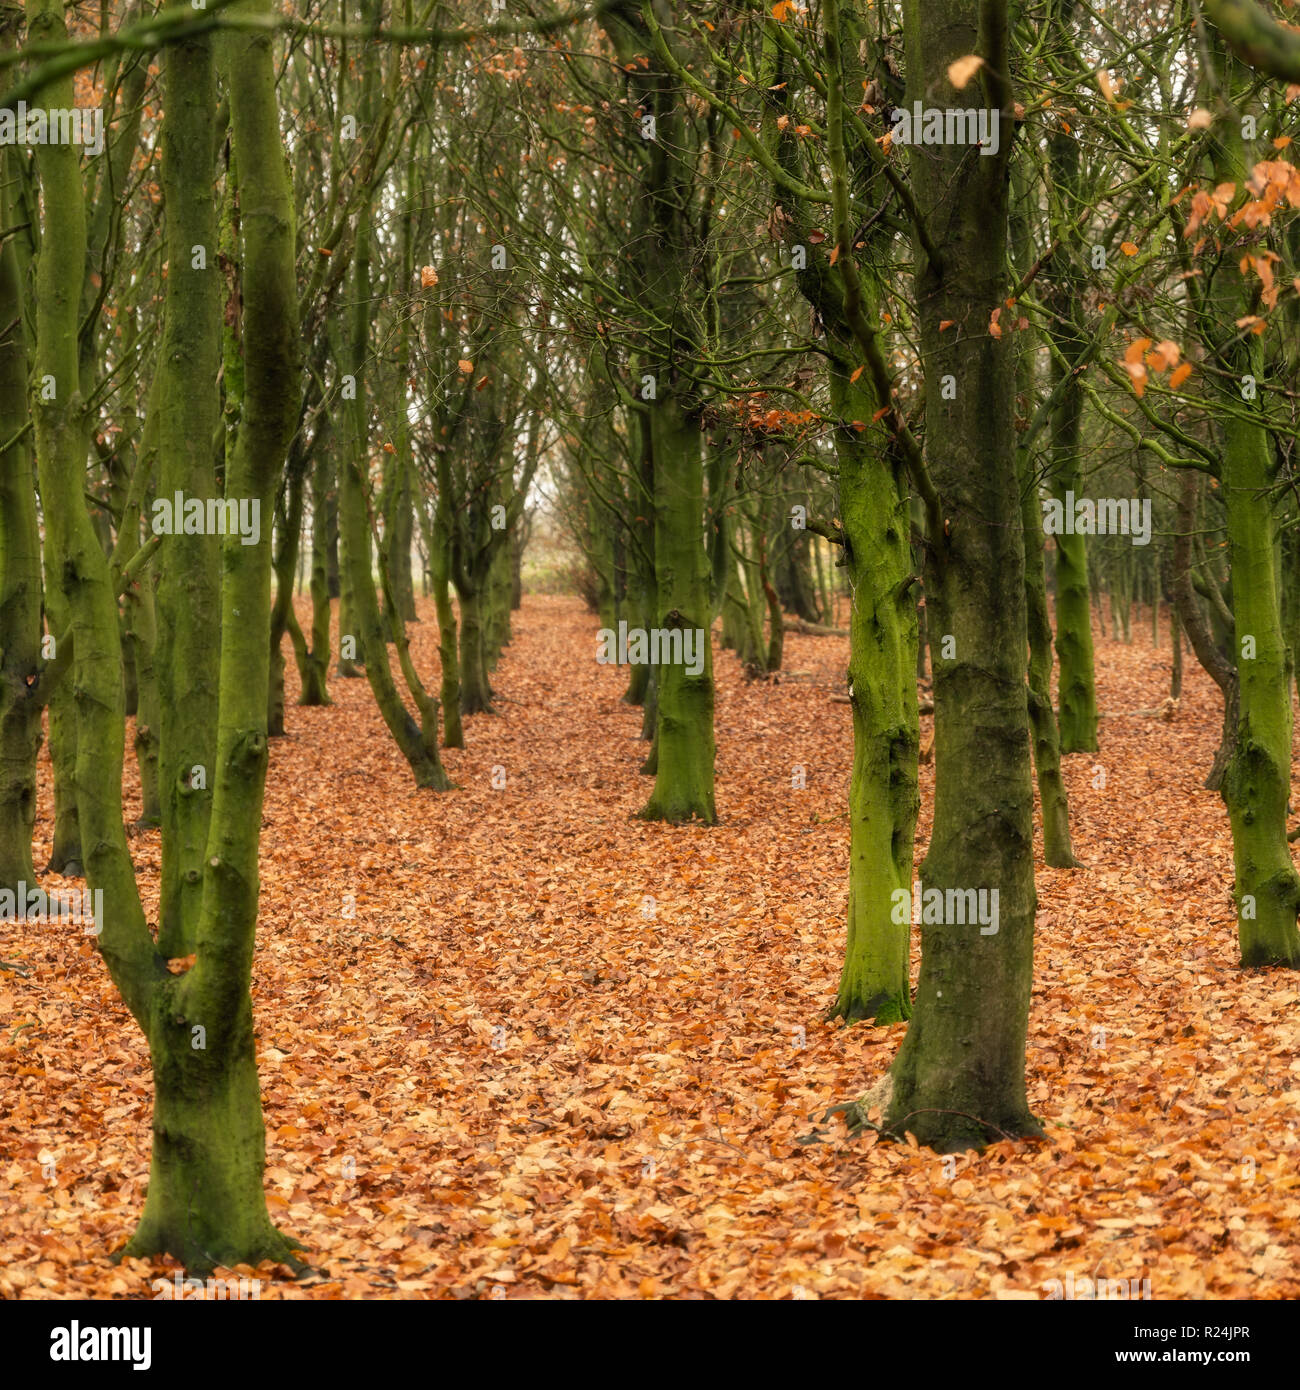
column 542, row 1090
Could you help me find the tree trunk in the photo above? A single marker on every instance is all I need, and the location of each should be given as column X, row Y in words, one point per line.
column 418, row 742
column 20, row 582
column 1257, row 779
column 140, row 607
column 875, row 981
column 1077, row 684
column 875, row 507
column 205, row 1203
column 669, row 272
column 453, row 733
column 65, row 849
column 315, row 675
column 188, row 603
column 1057, row 849
column 959, row 1078
column 792, row 564
column 1193, row 621
column 399, row 527
column 196, row 1121
column 1055, row 810
column 683, row 788
column 285, row 563
column 475, row 688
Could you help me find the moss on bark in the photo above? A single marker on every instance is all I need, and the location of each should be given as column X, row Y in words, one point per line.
column 959, row 1078
column 1257, row 778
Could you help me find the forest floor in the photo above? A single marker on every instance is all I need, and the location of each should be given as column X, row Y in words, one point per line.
column 501, row 1077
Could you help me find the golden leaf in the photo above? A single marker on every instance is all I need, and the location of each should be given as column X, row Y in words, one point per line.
column 961, row 72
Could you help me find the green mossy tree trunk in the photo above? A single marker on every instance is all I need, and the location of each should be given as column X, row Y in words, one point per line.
column 453, row 731
column 875, row 538
column 418, row 742
column 683, row 787
column 959, row 1078
column 290, row 506
column 315, row 672
column 875, row 982
column 1257, row 779
column 188, row 592
column 1077, row 694
column 670, row 278
column 21, row 703
column 1052, row 798
column 205, row 1203
column 65, row 751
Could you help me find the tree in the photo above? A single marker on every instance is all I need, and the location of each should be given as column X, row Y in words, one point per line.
column 668, row 272
column 1257, row 778
column 958, row 1080
column 205, row 1203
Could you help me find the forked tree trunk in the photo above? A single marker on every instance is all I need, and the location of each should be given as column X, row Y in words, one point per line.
column 205, row 1203
column 418, row 741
